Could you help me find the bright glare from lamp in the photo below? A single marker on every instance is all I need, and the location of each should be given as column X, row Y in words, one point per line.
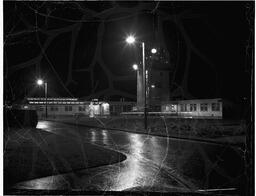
column 130, row 39
column 153, row 50
column 135, row 67
column 40, row 82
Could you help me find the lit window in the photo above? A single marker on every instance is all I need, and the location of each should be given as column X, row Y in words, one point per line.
column 215, row 106
column 192, row 107
column 173, row 108
column 166, row 108
column 204, row 107
column 183, row 107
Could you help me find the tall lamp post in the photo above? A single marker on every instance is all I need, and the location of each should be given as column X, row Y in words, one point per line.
column 40, row 82
column 131, row 40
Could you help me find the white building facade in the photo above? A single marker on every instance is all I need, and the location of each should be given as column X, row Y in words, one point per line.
column 200, row 108
column 68, row 107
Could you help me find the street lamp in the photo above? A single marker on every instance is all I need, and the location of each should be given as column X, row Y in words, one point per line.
column 135, row 67
column 153, row 50
column 130, row 40
column 40, row 82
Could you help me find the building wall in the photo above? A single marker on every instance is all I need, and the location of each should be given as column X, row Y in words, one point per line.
column 117, row 108
column 195, row 108
column 158, row 67
column 160, row 80
column 70, row 110
column 85, row 108
column 179, row 108
column 53, row 110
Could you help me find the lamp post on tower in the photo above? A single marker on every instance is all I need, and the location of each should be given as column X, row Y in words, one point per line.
column 40, row 82
column 141, row 79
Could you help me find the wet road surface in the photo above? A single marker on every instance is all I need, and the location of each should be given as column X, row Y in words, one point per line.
column 153, row 164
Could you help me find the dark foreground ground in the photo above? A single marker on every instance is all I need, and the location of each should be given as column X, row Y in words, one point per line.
column 63, row 158
column 33, row 153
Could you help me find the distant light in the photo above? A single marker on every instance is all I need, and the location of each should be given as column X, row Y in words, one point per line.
column 153, row 86
column 130, row 39
column 135, row 67
column 153, row 50
column 105, row 105
column 40, row 82
column 25, row 107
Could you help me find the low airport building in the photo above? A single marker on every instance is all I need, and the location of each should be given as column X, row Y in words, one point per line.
column 197, row 108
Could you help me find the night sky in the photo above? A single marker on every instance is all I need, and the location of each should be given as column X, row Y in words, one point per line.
column 209, row 43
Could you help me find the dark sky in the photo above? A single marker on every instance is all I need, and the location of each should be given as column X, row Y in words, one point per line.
column 210, row 45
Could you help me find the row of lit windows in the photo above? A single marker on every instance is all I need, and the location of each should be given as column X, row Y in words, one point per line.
column 55, row 102
column 58, row 99
column 203, row 107
column 67, row 108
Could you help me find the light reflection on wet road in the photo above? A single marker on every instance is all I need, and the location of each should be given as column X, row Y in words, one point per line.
column 155, row 163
